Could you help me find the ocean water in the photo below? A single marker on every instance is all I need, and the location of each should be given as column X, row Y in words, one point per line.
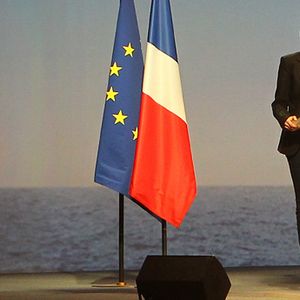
column 76, row 229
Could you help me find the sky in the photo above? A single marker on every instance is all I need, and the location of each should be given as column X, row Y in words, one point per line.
column 54, row 63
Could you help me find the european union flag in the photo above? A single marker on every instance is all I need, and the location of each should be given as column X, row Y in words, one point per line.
column 122, row 105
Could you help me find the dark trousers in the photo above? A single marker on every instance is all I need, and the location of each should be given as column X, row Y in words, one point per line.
column 294, row 163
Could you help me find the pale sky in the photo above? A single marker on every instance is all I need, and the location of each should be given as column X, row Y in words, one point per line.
column 54, row 62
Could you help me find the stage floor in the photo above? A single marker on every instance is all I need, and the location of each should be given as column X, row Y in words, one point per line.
column 247, row 283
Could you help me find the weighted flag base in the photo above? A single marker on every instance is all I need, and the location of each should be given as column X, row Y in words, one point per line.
column 122, row 284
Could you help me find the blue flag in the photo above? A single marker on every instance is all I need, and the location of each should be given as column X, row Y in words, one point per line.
column 119, row 129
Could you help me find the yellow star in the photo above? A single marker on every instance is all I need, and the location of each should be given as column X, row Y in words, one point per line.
column 135, row 133
column 128, row 50
column 111, row 94
column 120, row 117
column 114, row 69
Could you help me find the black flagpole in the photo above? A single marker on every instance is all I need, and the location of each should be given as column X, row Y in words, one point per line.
column 164, row 237
column 121, row 241
column 121, row 282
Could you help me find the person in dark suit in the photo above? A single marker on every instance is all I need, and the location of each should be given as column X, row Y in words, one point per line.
column 286, row 109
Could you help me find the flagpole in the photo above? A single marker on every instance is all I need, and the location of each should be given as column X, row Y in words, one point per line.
column 164, row 237
column 121, row 241
column 121, row 282
column 123, row 95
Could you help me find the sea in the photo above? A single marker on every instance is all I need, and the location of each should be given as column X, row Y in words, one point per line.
column 76, row 229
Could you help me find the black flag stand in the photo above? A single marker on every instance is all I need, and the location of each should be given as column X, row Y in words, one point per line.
column 121, row 282
column 121, row 242
column 164, row 237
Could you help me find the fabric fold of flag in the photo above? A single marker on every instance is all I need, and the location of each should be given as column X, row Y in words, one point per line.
column 163, row 178
column 119, row 128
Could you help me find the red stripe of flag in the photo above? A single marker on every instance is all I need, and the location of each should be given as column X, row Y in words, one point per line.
column 163, row 178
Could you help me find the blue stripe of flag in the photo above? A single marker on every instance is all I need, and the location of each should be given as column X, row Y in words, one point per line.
column 161, row 32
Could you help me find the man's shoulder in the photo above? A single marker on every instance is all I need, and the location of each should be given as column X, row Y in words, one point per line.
column 291, row 57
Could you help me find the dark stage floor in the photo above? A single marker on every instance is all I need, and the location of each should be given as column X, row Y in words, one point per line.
column 247, row 283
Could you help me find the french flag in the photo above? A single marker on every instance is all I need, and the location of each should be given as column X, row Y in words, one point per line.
column 163, row 178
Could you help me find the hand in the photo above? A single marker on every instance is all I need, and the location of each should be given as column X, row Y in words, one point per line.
column 291, row 124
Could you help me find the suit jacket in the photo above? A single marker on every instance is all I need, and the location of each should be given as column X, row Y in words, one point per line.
column 287, row 101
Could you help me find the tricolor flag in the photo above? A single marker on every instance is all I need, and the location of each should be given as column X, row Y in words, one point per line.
column 163, row 178
column 119, row 129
